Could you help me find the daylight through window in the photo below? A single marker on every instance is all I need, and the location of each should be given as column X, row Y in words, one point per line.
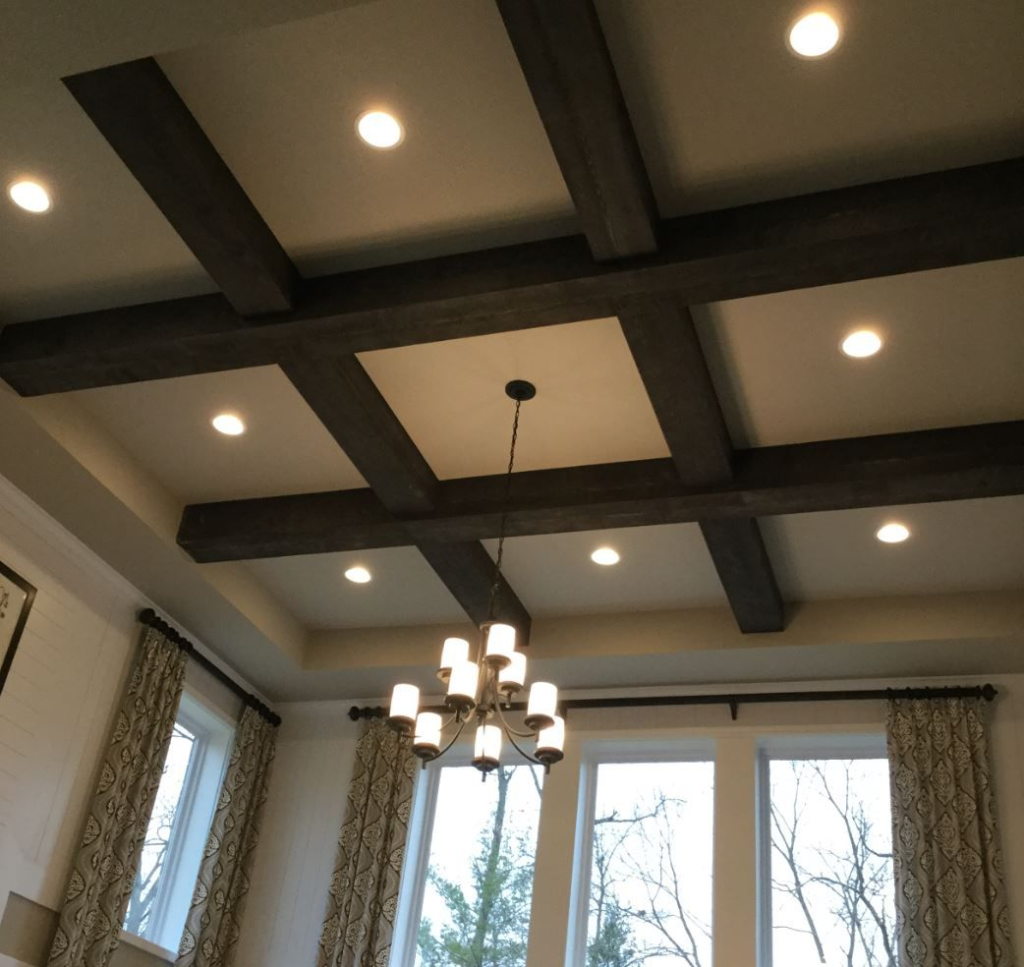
column 479, row 875
column 179, row 824
column 832, row 894
column 651, row 865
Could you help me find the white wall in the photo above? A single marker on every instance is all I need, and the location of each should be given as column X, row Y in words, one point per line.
column 56, row 707
column 298, row 843
column 316, row 749
column 58, row 703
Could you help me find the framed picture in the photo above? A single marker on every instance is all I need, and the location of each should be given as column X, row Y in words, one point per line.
column 16, row 597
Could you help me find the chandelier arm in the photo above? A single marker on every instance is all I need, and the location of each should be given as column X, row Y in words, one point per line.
column 525, row 755
column 456, row 717
column 454, row 739
column 508, row 728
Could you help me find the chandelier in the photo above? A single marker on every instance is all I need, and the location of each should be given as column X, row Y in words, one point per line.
column 480, row 689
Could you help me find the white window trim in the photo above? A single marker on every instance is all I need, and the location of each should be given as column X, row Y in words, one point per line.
column 214, row 732
column 595, row 753
column 824, row 745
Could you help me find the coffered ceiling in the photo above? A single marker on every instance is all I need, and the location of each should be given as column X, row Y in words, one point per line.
column 724, row 115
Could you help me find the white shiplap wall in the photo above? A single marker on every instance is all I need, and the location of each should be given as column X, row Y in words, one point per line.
column 298, row 842
column 56, row 706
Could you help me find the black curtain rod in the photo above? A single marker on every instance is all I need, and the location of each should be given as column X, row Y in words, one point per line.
column 987, row 692
column 149, row 618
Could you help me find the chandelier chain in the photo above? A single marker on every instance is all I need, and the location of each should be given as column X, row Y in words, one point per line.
column 496, row 584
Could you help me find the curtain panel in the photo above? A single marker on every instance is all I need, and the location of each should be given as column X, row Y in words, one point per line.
column 104, row 869
column 950, row 901
column 214, row 920
column 363, row 897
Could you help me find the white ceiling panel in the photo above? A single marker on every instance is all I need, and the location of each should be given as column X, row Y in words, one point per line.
column 725, row 114
column 165, row 425
column 475, row 169
column 590, row 405
column 660, row 567
column 103, row 243
column 967, row 545
column 404, row 590
column 953, row 355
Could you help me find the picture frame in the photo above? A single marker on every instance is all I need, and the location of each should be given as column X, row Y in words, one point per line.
column 16, row 599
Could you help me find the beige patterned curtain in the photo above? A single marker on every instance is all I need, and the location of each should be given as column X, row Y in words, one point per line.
column 214, row 920
column 104, row 869
column 950, row 902
column 364, row 888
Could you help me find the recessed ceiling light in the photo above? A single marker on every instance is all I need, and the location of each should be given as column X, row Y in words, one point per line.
column 228, row 424
column 861, row 344
column 893, row 533
column 31, row 196
column 606, row 556
column 358, row 575
column 813, row 35
column 380, row 129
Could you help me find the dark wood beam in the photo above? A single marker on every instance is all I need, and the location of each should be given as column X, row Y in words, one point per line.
column 667, row 352
column 145, row 121
column 138, row 111
column 341, row 393
column 924, row 466
column 741, row 560
column 565, row 59
column 906, row 225
column 562, row 51
column 663, row 341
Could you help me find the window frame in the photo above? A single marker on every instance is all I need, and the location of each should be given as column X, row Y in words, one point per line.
column 786, row 748
column 214, row 734
column 413, row 884
column 595, row 753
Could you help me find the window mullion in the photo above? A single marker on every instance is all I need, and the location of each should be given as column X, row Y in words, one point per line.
column 734, row 919
column 553, row 868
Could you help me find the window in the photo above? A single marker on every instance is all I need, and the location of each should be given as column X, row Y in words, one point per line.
column 829, row 895
column 180, row 823
column 647, row 879
column 468, row 882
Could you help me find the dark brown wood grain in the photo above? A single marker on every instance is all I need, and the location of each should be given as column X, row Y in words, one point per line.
column 905, row 225
column 136, row 108
column 562, row 51
column 565, row 59
column 741, row 560
column 341, row 393
column 924, row 466
column 668, row 355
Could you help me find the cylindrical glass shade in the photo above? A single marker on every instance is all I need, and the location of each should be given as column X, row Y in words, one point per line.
column 405, row 703
column 454, row 651
column 487, row 748
column 512, row 678
column 426, row 740
column 462, row 685
column 540, row 711
column 551, row 742
column 501, row 644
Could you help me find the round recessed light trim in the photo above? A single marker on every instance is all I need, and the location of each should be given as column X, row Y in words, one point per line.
column 893, row 533
column 605, row 556
column 380, row 129
column 359, row 575
column 31, row 196
column 861, row 344
column 228, row 424
column 813, row 35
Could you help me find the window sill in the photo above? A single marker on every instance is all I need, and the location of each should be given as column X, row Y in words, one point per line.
column 148, row 947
